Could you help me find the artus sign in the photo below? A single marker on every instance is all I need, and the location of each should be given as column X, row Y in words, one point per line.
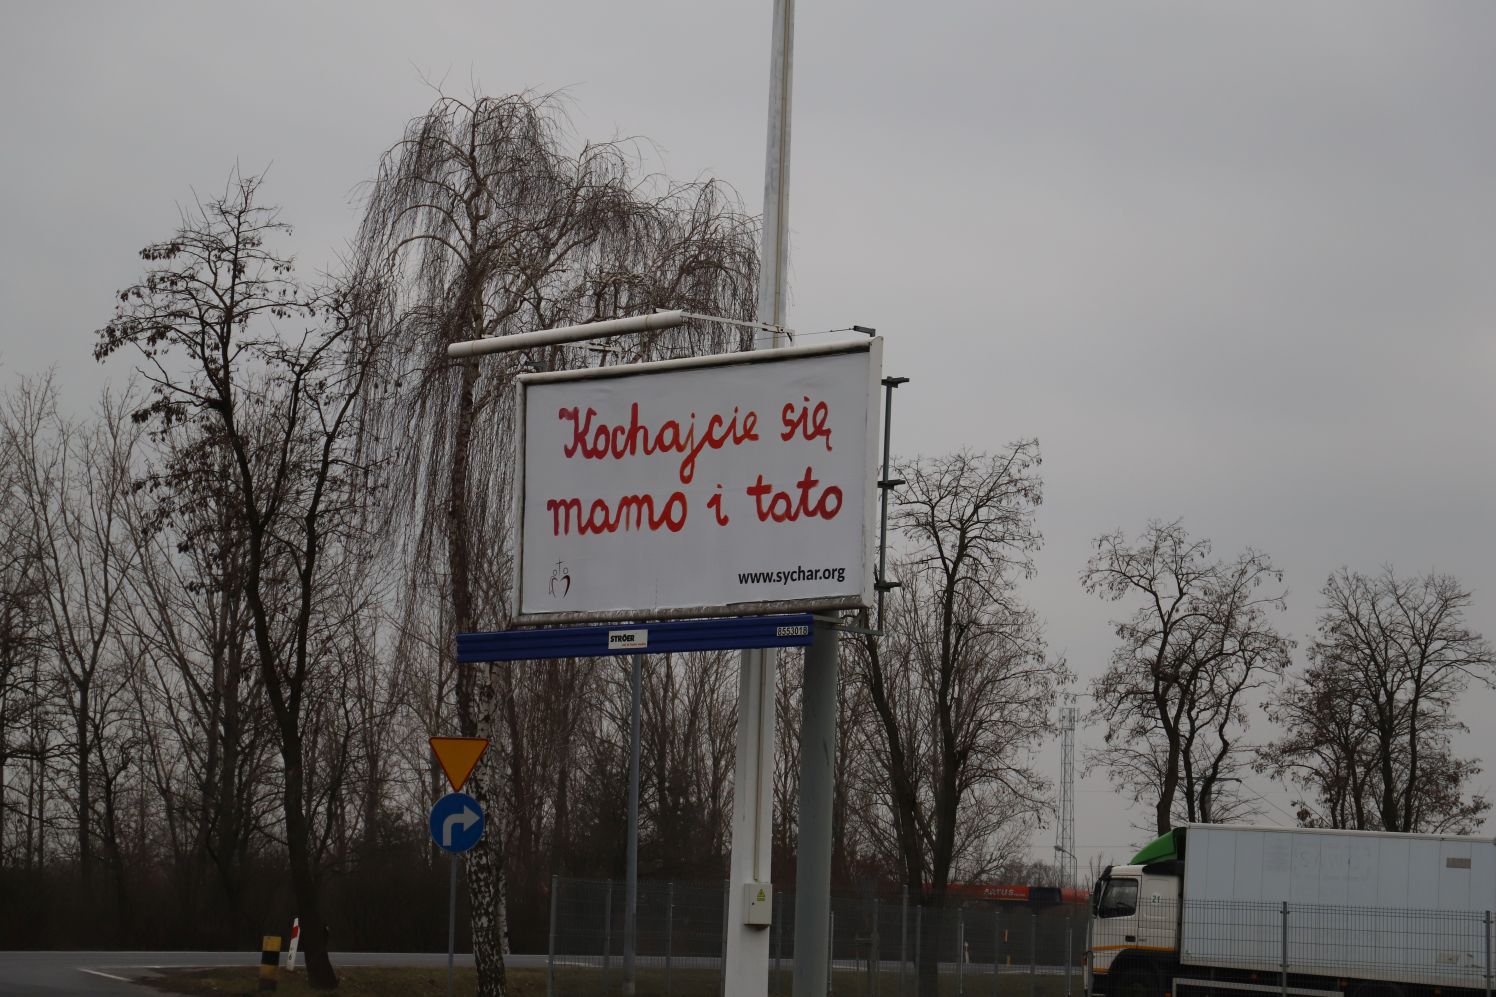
column 719, row 485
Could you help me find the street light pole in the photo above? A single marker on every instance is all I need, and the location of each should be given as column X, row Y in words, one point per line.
column 746, row 962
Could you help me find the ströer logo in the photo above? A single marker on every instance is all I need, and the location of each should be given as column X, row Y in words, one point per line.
column 628, row 640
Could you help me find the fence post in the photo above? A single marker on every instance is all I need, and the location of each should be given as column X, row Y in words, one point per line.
column 903, row 937
column 607, row 934
column 669, row 932
column 830, row 951
column 997, row 934
column 722, row 978
column 1070, row 946
column 1488, row 954
column 1086, row 977
column 1033, row 953
column 550, row 949
column 874, row 961
column 778, row 986
column 919, row 937
column 1283, row 976
column 960, row 952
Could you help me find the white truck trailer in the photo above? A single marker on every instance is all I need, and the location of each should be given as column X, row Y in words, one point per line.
column 1316, row 913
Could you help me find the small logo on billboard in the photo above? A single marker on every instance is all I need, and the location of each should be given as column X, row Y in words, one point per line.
column 560, row 580
column 628, row 640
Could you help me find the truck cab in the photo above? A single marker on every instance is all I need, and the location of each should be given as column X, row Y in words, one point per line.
column 1134, row 941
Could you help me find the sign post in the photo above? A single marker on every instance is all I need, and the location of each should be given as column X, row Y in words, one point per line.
column 456, row 819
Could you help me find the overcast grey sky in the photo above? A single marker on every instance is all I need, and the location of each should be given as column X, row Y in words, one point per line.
column 1231, row 262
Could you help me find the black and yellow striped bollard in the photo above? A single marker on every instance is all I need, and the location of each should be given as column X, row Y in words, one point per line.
column 270, row 949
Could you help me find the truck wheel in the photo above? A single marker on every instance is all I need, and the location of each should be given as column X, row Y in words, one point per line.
column 1376, row 990
column 1139, row 981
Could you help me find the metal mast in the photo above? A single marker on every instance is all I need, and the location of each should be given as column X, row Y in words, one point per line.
column 1064, row 844
column 746, row 959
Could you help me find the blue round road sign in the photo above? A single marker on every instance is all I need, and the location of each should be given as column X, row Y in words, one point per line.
column 456, row 822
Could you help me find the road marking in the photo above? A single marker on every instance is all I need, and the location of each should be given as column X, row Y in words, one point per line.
column 107, row 976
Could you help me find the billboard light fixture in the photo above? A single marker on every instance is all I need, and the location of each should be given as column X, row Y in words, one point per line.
column 605, row 329
column 566, row 334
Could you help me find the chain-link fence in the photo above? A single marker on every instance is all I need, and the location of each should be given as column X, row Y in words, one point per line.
column 1289, row 946
column 1153, row 946
column 890, row 946
column 881, row 946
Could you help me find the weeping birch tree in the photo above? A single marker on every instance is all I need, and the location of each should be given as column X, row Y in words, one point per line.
column 482, row 223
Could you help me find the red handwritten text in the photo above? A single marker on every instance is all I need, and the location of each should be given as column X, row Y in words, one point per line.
column 597, row 441
column 782, row 507
column 809, row 421
column 631, row 512
column 715, row 504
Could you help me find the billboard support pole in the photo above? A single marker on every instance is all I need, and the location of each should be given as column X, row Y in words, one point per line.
column 631, row 874
column 746, row 966
column 817, row 772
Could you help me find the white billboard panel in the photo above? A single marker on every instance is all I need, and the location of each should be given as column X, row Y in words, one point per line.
column 720, row 485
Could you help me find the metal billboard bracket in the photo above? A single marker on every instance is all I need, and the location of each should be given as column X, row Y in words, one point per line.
column 846, row 624
column 718, row 634
column 886, row 484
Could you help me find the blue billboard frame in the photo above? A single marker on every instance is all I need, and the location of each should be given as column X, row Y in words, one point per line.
column 718, row 634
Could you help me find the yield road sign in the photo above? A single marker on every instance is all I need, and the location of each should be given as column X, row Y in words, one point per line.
column 458, row 756
column 456, row 822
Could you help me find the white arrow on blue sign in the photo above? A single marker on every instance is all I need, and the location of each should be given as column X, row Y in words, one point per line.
column 456, row 822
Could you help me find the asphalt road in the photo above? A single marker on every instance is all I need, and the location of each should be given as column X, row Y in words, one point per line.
column 110, row 974
column 55, row 974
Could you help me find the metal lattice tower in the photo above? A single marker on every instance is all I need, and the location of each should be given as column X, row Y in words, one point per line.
column 1064, row 845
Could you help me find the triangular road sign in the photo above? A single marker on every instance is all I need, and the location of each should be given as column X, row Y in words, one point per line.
column 458, row 757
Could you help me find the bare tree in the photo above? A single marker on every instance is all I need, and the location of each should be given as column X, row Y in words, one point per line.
column 789, row 679
column 690, row 709
column 23, row 612
column 858, row 848
column 545, row 709
column 1368, row 724
column 960, row 688
column 1022, row 870
column 76, row 481
column 687, row 733
column 481, row 225
column 1175, row 698
column 282, row 414
column 201, row 690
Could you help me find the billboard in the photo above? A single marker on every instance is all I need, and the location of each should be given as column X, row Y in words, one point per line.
column 723, row 485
